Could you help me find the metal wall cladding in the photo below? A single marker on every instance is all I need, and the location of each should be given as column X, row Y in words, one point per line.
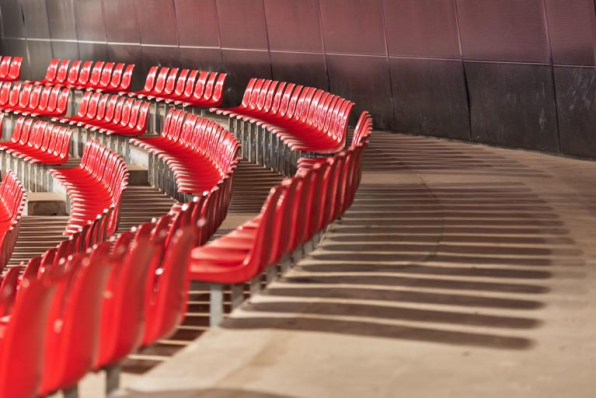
column 429, row 97
column 294, row 25
column 162, row 56
column 422, row 28
column 13, row 20
column 90, row 20
column 40, row 55
column 576, row 104
column 503, row 30
column 65, row 50
column 242, row 24
column 513, row 105
column 121, row 21
column 241, row 66
column 94, row 51
column 157, row 22
column 365, row 81
column 353, row 26
column 197, row 22
column 62, row 19
column 208, row 59
column 301, row 68
column 571, row 26
column 36, row 19
column 493, row 71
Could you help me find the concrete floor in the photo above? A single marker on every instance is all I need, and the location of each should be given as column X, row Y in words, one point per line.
column 460, row 271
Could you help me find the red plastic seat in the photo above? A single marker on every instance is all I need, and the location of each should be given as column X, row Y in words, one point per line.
column 72, row 332
column 166, row 307
column 200, row 152
column 123, row 312
column 22, row 339
column 230, row 266
column 94, row 186
column 304, row 118
column 12, row 203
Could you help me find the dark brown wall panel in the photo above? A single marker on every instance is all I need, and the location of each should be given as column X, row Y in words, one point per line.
column 400, row 59
column 13, row 20
column 157, row 22
column 294, row 25
column 197, row 22
column 62, row 19
column 241, row 66
column 90, row 20
column 65, row 49
column 40, row 55
column 201, row 58
column 242, row 24
column 513, row 105
column 370, row 90
column 576, row 103
column 121, row 21
column 93, row 51
column 571, row 26
column 353, row 26
column 162, row 56
column 36, row 19
column 430, row 98
column 422, row 28
column 503, row 30
column 301, row 68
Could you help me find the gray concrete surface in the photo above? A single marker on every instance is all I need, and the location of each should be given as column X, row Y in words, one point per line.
column 460, row 271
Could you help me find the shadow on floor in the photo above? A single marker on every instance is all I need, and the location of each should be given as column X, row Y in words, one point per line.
column 392, row 152
column 457, row 263
column 207, row 393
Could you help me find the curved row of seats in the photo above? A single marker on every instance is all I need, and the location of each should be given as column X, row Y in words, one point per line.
column 92, row 309
column 10, row 68
column 85, row 75
column 95, row 185
column 110, row 114
column 295, row 212
column 200, row 152
column 12, row 203
column 34, row 100
column 38, row 141
column 305, row 119
column 183, row 87
column 139, row 261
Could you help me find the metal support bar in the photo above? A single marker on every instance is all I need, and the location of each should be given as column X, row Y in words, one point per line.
column 215, row 305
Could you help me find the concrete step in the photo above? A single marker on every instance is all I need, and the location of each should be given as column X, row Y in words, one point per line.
column 138, row 176
column 45, row 204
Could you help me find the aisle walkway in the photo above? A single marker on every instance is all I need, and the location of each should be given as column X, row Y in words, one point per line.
column 460, row 271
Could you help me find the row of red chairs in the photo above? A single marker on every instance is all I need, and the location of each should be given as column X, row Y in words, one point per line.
column 200, row 152
column 10, row 68
column 296, row 211
column 184, row 87
column 110, row 114
column 12, row 203
column 33, row 100
column 84, row 75
column 95, row 185
column 92, row 309
column 38, row 141
column 306, row 119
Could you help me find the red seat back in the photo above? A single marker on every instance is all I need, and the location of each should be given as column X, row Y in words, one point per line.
column 23, row 342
